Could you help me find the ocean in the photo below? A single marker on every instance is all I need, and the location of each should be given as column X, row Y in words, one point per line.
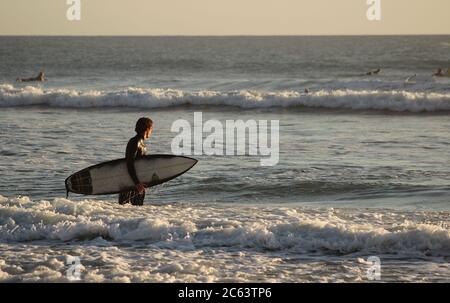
column 363, row 167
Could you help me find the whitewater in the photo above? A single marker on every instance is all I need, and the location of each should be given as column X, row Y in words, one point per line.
column 216, row 243
column 391, row 100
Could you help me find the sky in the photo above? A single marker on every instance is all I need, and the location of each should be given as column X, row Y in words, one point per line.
column 224, row 17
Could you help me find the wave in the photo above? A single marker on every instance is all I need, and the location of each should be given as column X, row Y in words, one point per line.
column 391, row 100
column 288, row 188
column 261, row 228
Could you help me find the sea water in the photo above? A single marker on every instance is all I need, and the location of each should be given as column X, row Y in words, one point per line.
column 363, row 160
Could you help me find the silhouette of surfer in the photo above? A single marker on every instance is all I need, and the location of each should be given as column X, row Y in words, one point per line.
column 439, row 73
column 410, row 78
column 136, row 149
column 373, row 72
column 39, row 78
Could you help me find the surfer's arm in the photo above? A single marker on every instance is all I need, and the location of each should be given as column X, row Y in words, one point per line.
column 130, row 155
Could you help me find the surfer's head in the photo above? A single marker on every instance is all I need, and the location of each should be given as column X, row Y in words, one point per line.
column 144, row 127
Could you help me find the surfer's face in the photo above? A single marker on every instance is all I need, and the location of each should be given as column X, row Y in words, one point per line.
column 148, row 132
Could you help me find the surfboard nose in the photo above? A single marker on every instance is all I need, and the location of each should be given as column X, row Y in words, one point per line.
column 191, row 161
column 183, row 164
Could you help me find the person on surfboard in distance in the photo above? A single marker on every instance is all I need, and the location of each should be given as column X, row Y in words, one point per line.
column 39, row 78
column 373, row 72
column 439, row 73
column 136, row 149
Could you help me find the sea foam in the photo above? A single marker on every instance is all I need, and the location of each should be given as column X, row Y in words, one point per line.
column 265, row 228
column 390, row 100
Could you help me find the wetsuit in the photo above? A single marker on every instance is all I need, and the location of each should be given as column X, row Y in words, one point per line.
column 135, row 149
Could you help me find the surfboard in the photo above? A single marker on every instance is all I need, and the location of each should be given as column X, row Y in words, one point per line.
column 112, row 177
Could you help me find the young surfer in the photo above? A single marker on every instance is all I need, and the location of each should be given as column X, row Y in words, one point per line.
column 135, row 149
column 40, row 78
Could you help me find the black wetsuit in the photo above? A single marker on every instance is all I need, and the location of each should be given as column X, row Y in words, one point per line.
column 135, row 149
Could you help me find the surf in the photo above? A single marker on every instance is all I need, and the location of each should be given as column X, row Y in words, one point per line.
column 296, row 230
column 381, row 100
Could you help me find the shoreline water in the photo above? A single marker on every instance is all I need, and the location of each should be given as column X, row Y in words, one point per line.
column 159, row 243
column 340, row 159
column 363, row 160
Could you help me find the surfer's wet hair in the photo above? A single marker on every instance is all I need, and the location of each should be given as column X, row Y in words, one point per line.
column 143, row 124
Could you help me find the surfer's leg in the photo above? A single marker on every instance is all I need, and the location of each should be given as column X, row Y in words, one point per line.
column 138, row 199
column 124, row 198
column 133, row 197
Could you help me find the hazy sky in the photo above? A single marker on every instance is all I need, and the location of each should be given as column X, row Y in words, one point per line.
column 223, row 17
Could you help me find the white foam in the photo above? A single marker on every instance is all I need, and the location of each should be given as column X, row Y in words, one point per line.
column 392, row 100
column 302, row 230
column 3, row 275
column 216, row 243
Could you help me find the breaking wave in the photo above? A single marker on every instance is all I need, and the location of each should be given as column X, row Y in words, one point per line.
column 278, row 229
column 390, row 100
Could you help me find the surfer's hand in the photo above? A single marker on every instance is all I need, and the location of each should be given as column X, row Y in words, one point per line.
column 140, row 188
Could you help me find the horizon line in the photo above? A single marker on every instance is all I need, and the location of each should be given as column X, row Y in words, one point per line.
column 231, row 35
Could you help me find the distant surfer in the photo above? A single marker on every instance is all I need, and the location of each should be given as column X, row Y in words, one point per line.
column 39, row 78
column 439, row 73
column 373, row 72
column 136, row 149
column 410, row 78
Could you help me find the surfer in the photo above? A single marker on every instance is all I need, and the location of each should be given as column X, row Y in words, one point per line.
column 40, row 78
column 373, row 72
column 135, row 149
column 408, row 80
column 439, row 73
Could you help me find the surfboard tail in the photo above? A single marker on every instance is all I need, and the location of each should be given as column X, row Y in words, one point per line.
column 67, row 188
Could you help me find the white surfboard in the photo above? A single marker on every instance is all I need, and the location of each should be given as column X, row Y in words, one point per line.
column 112, row 177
